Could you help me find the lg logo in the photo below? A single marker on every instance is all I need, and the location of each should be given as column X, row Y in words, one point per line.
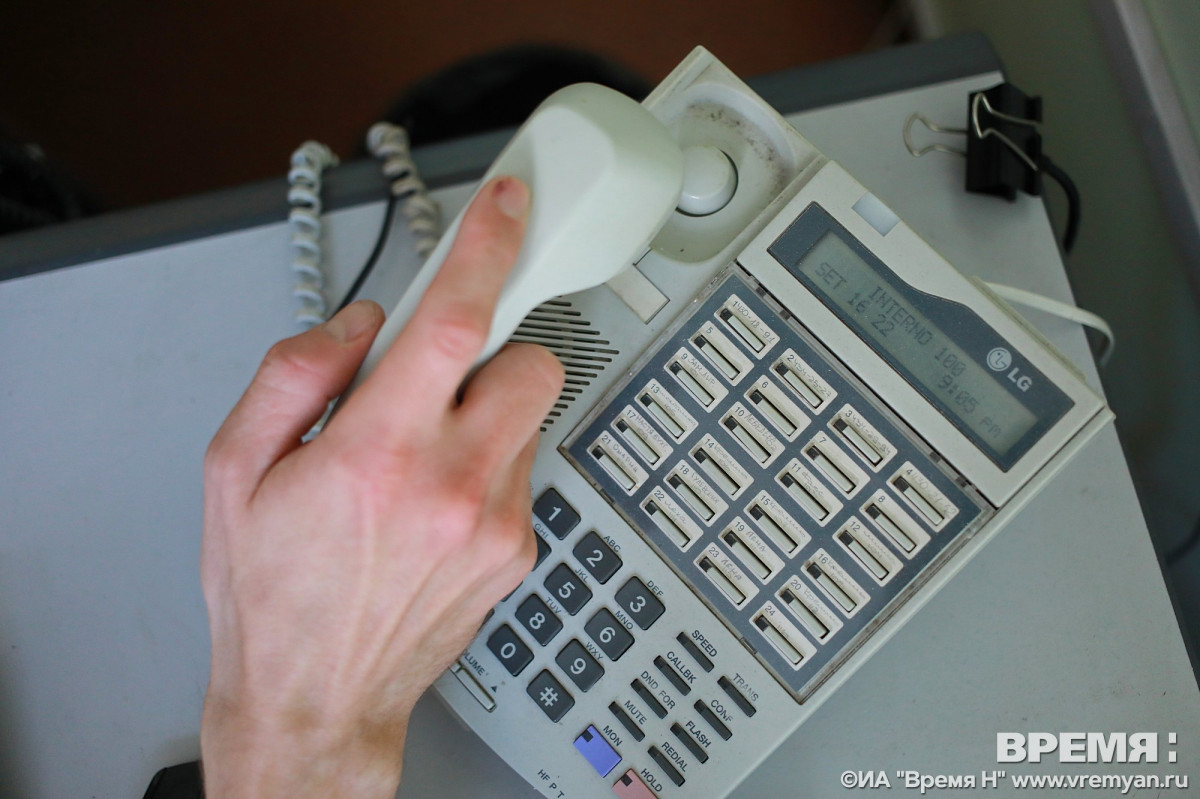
column 1000, row 359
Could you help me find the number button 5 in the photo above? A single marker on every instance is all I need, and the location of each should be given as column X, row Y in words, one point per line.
column 566, row 587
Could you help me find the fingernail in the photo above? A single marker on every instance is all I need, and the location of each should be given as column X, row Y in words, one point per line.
column 352, row 321
column 511, row 196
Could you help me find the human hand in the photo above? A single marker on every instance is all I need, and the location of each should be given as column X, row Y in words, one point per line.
column 343, row 575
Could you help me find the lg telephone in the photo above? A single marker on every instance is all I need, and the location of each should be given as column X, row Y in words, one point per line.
column 787, row 422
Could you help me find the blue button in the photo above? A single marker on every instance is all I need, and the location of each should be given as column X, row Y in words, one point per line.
column 591, row 745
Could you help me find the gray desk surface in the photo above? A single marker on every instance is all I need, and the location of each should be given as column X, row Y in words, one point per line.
column 115, row 373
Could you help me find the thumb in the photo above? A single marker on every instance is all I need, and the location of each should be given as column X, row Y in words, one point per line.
column 297, row 379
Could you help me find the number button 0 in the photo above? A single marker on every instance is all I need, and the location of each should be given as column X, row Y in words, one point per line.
column 559, row 517
column 581, row 667
column 609, row 634
column 538, row 619
column 597, row 557
column 566, row 587
column 643, row 607
column 509, row 649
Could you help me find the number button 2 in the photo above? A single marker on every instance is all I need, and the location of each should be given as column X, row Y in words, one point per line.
column 597, row 557
column 566, row 587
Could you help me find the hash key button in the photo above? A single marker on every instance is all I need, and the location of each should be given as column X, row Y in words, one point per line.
column 509, row 649
column 567, row 587
column 559, row 517
column 538, row 619
column 597, row 557
column 550, row 696
column 640, row 603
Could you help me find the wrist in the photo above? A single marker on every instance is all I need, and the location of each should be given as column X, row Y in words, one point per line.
column 253, row 754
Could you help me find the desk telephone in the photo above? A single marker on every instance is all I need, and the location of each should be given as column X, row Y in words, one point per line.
column 787, row 422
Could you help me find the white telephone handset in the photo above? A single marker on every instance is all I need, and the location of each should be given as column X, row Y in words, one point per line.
column 604, row 176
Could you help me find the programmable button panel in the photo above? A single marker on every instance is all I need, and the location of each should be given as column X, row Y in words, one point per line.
column 773, row 482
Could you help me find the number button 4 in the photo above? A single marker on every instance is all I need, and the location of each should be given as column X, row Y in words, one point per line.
column 608, row 633
column 597, row 557
column 538, row 619
column 566, row 587
column 581, row 667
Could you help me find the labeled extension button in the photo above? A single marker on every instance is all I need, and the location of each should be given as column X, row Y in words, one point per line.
column 596, row 750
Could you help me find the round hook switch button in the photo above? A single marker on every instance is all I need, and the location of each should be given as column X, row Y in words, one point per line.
column 709, row 180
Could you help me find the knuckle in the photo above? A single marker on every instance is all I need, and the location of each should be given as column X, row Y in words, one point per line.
column 220, row 459
column 285, row 363
column 458, row 333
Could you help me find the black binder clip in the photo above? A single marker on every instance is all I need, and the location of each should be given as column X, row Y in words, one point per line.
column 1004, row 147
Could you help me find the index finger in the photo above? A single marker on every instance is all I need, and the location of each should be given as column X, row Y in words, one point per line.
column 437, row 349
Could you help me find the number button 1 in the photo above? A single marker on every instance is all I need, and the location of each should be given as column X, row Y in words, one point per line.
column 509, row 649
column 581, row 667
column 559, row 517
column 609, row 634
column 566, row 587
column 643, row 607
column 597, row 557
column 538, row 619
